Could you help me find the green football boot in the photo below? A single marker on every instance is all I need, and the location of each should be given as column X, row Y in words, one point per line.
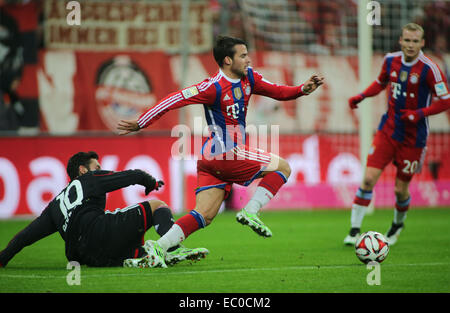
column 254, row 222
column 156, row 252
column 182, row 253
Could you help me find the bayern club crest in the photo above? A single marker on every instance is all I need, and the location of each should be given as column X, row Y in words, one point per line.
column 247, row 90
column 123, row 91
column 414, row 79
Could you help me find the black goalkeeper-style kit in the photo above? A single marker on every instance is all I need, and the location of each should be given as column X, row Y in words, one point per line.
column 92, row 235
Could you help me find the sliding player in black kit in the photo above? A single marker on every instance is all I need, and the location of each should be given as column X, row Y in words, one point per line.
column 96, row 237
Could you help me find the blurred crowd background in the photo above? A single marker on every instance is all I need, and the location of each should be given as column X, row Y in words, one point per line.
column 317, row 27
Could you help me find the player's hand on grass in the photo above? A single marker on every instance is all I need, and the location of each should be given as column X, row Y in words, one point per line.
column 353, row 101
column 312, row 84
column 412, row 116
column 126, row 127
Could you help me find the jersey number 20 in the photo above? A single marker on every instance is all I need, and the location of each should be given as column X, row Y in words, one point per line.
column 410, row 167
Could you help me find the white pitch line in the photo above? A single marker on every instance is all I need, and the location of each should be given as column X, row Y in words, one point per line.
column 167, row 272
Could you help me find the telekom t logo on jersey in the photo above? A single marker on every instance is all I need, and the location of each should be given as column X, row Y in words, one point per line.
column 233, row 110
column 396, row 89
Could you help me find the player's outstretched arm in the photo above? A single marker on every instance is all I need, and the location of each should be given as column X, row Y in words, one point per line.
column 39, row 228
column 374, row 89
column 282, row 92
column 312, row 84
column 126, row 127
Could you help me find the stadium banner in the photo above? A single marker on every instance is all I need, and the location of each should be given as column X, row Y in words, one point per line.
column 93, row 91
column 33, row 169
column 300, row 196
column 324, row 174
column 109, row 25
column 89, row 90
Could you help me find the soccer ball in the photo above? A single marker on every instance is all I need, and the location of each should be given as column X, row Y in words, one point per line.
column 371, row 246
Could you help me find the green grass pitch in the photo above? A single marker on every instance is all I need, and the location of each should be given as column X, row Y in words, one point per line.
column 305, row 254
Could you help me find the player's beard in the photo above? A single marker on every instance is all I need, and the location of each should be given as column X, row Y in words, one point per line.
column 239, row 72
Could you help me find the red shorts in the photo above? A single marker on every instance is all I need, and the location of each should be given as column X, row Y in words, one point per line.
column 241, row 165
column 408, row 160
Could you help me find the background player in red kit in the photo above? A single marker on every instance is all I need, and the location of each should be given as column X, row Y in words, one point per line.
column 226, row 159
column 402, row 133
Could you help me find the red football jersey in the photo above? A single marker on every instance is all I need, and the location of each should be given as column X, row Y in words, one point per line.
column 412, row 86
column 225, row 101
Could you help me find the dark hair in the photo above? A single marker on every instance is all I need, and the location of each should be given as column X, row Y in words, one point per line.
column 80, row 158
column 224, row 47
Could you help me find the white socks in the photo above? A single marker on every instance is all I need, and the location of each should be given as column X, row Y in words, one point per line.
column 173, row 237
column 260, row 198
column 358, row 212
column 399, row 217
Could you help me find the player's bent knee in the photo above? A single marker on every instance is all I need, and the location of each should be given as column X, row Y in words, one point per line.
column 285, row 168
column 370, row 178
column 156, row 204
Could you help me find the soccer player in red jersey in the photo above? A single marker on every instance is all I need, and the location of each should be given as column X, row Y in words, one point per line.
column 226, row 158
column 401, row 137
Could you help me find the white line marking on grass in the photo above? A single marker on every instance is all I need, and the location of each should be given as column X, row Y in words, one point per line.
column 140, row 272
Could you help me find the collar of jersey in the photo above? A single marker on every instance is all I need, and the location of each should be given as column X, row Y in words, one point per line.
column 231, row 80
column 413, row 61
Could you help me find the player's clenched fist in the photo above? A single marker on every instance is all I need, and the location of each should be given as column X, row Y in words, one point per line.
column 150, row 183
column 412, row 116
column 353, row 101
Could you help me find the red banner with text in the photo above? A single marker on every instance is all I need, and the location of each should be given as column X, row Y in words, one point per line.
column 325, row 172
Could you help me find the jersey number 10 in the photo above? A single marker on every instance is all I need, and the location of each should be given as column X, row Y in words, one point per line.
column 65, row 204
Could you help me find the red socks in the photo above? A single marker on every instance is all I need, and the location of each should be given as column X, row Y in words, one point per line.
column 363, row 197
column 403, row 206
column 273, row 182
column 191, row 222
